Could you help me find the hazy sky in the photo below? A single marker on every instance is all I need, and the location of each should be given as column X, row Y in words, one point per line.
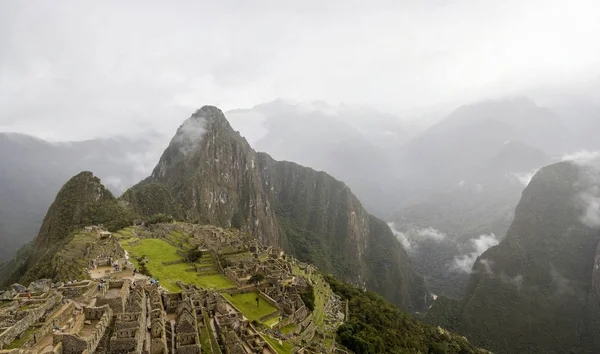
column 80, row 69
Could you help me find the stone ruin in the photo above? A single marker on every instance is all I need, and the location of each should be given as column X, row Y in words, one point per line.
column 120, row 316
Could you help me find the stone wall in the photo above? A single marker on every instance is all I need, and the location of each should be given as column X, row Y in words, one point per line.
column 73, row 343
column 32, row 316
column 117, row 304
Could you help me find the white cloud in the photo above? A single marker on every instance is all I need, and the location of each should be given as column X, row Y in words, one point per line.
column 479, row 245
column 190, row 134
column 430, row 233
column 412, row 237
column 583, row 157
column 401, row 236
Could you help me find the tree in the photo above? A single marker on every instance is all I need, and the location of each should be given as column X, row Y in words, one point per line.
column 308, row 297
column 194, row 255
column 256, row 278
column 160, row 219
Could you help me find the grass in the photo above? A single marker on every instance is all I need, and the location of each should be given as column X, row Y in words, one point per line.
column 213, row 282
column 18, row 342
column 284, row 348
column 272, row 322
column 321, row 296
column 158, row 251
column 4, row 304
column 288, row 329
column 247, row 304
column 213, row 340
column 155, row 249
column 27, row 307
column 205, row 341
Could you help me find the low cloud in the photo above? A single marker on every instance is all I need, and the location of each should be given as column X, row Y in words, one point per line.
column 190, row 134
column 411, row 238
column 590, row 197
column 479, row 245
column 583, row 157
column 401, row 236
column 430, row 233
column 591, row 202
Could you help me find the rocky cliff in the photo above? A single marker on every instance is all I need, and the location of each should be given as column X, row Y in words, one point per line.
column 210, row 174
column 534, row 292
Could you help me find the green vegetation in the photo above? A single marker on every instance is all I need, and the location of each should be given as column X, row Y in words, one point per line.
column 82, row 201
column 535, row 293
column 283, row 348
column 205, row 340
column 158, row 251
column 271, row 322
column 376, row 326
column 247, row 304
column 194, row 255
column 215, row 345
column 24, row 337
column 289, row 328
column 213, row 282
column 160, row 218
column 308, row 297
column 320, row 296
column 256, row 278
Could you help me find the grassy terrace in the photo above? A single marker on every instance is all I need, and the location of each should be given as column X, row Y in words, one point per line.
column 247, row 304
column 205, row 341
column 321, row 296
column 158, row 251
column 19, row 341
column 283, row 348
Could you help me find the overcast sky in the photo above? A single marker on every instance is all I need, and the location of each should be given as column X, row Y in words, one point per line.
column 81, row 69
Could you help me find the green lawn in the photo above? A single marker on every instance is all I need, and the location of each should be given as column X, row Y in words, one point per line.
column 213, row 282
column 205, row 341
column 288, row 329
column 155, row 249
column 284, row 348
column 247, row 304
column 272, row 322
column 158, row 251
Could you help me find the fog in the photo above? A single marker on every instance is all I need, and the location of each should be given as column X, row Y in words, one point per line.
column 75, row 70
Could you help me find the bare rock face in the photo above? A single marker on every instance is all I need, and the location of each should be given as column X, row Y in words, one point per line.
column 40, row 286
column 7, row 295
column 19, row 288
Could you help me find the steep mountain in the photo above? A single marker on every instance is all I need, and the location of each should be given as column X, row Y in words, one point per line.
column 213, row 175
column 536, row 291
column 82, row 201
column 33, row 170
